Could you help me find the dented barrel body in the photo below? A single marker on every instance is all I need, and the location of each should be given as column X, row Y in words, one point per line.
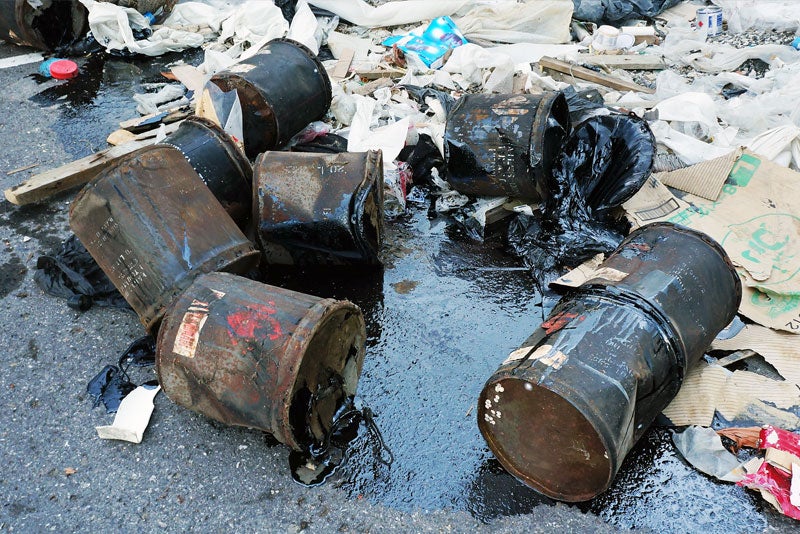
column 221, row 165
column 319, row 209
column 564, row 409
column 282, row 89
column 501, row 145
column 46, row 27
column 254, row 355
column 152, row 225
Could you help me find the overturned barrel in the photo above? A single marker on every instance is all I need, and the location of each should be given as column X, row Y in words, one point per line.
column 42, row 25
column 152, row 225
column 501, row 145
column 220, row 164
column 282, row 89
column 254, row 355
column 319, row 209
column 562, row 411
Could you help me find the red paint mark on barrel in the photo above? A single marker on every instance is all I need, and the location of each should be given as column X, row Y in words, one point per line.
column 255, row 321
column 559, row 321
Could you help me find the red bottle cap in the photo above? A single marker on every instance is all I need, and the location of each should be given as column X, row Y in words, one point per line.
column 63, row 69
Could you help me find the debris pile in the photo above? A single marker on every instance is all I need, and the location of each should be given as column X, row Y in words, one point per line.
column 664, row 207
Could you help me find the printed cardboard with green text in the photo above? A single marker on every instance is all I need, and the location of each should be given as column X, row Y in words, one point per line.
column 756, row 219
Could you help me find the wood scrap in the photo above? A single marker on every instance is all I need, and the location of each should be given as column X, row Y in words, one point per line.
column 79, row 172
column 342, row 67
column 20, row 169
column 374, row 74
column 582, row 73
column 625, row 61
column 122, row 136
column 153, row 120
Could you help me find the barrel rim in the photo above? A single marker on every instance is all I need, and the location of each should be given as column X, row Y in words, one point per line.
column 582, row 409
column 226, row 141
column 312, row 322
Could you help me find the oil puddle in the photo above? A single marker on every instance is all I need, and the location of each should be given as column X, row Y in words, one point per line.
column 429, row 352
column 12, row 274
column 92, row 105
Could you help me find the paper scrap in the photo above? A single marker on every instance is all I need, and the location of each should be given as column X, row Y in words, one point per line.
column 132, row 417
column 756, row 219
column 702, row 447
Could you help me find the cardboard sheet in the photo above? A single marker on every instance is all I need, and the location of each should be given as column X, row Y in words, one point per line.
column 756, row 219
column 739, row 396
column 779, row 349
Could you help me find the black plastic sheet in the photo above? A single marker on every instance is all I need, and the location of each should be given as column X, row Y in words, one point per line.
column 423, row 157
column 73, row 274
column 615, row 12
column 603, row 163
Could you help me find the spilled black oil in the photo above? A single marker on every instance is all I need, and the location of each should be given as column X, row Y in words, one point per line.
column 315, row 465
column 92, row 105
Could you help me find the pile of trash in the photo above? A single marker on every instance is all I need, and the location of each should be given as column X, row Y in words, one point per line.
column 637, row 163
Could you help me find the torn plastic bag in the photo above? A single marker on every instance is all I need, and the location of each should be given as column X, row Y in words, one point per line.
column 73, row 274
column 582, row 104
column 603, row 163
column 423, row 157
column 775, row 15
column 112, row 383
column 422, row 94
column 615, row 12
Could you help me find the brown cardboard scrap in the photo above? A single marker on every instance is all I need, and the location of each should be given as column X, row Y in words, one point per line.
column 696, row 401
column 756, row 219
column 779, row 349
column 781, row 459
column 735, row 395
column 703, row 179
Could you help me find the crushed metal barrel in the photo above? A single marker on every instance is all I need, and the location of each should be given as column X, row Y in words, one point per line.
column 281, row 89
column 562, row 411
column 220, row 164
column 254, row 355
column 319, row 209
column 152, row 225
column 45, row 27
column 502, row 145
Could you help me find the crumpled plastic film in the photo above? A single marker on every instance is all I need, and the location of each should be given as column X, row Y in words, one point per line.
column 603, row 163
column 615, row 11
column 73, row 274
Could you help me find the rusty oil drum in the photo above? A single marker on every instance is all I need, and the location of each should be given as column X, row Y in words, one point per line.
column 152, row 225
column 562, row 411
column 282, row 89
column 254, row 355
column 319, row 209
column 501, row 145
column 59, row 24
column 219, row 162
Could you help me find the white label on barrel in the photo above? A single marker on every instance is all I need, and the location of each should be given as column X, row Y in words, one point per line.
column 542, row 353
column 549, row 357
column 518, row 354
column 189, row 331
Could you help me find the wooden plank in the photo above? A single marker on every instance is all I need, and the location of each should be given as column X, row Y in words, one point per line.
column 374, row 74
column 343, row 65
column 582, row 73
column 122, row 136
column 625, row 61
column 54, row 181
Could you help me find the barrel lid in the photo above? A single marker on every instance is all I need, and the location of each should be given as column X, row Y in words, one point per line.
column 64, row 69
